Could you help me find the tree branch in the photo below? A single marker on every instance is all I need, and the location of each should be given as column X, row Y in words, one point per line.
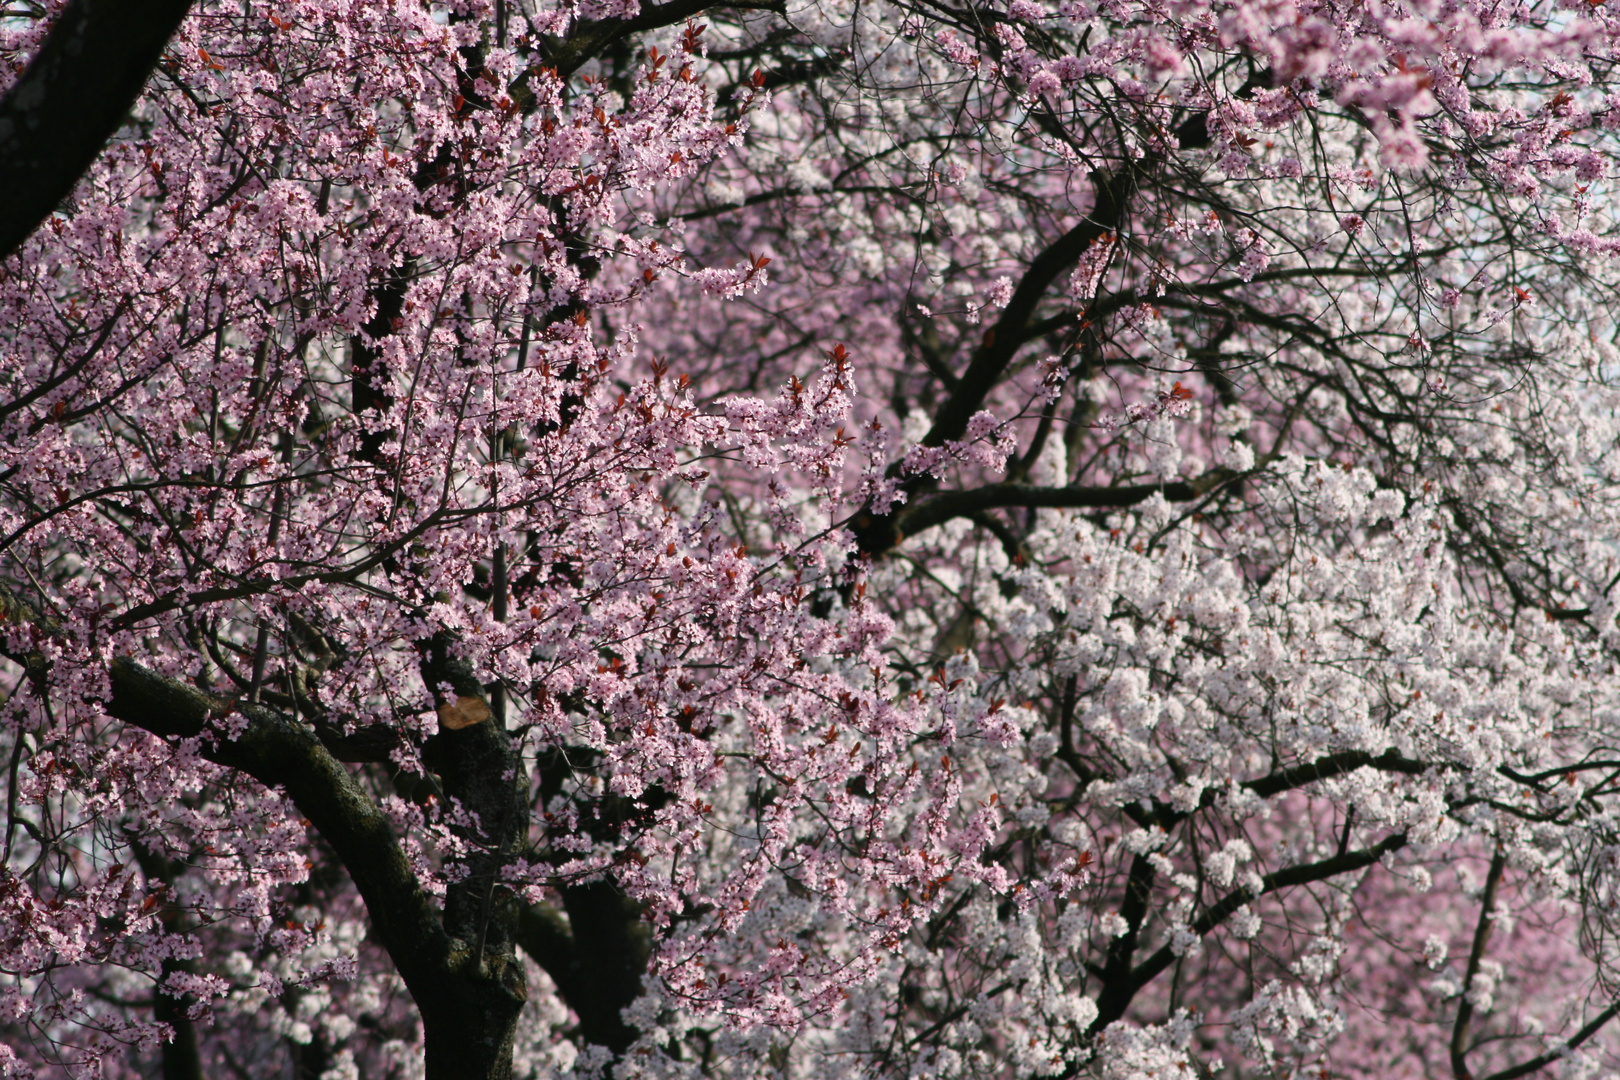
column 587, row 39
column 1225, row 907
column 181, row 1059
column 469, row 1000
column 74, row 95
column 1323, row 768
column 1482, row 935
column 473, row 757
column 543, row 932
column 876, row 534
column 1002, row 340
column 1119, row 984
column 596, row 955
column 941, row 508
column 282, row 754
column 615, row 943
column 1541, row 1061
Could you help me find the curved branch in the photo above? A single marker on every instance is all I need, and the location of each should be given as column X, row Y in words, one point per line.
column 596, row 955
column 282, row 754
column 876, row 534
column 587, row 39
column 1558, row 1053
column 1324, row 768
column 74, row 95
column 1227, row 905
column 1119, row 982
column 1002, row 340
column 469, row 1000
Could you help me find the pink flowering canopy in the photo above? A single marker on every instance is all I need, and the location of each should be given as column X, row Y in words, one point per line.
column 808, row 539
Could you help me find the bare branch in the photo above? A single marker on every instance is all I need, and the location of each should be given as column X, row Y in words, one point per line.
column 1002, row 340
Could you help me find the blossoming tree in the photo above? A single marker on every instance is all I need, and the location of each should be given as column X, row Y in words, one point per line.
column 821, row 540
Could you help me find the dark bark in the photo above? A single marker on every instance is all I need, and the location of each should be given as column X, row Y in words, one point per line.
column 1560, row 1051
column 181, row 1059
column 938, row 509
column 596, row 947
column 590, row 38
column 596, row 956
column 469, row 1005
column 1120, row 982
column 71, row 99
column 479, row 769
column 877, row 533
column 1117, row 985
column 1002, row 341
column 1325, row 768
column 612, row 943
column 1476, row 955
column 1223, row 909
column 367, row 373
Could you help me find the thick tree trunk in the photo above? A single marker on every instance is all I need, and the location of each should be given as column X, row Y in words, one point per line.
column 469, row 1018
column 469, row 1025
column 181, row 1057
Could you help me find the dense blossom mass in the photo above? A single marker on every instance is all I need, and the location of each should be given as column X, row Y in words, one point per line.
column 804, row 538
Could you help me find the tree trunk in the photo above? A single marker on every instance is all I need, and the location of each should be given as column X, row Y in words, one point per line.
column 468, row 1026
